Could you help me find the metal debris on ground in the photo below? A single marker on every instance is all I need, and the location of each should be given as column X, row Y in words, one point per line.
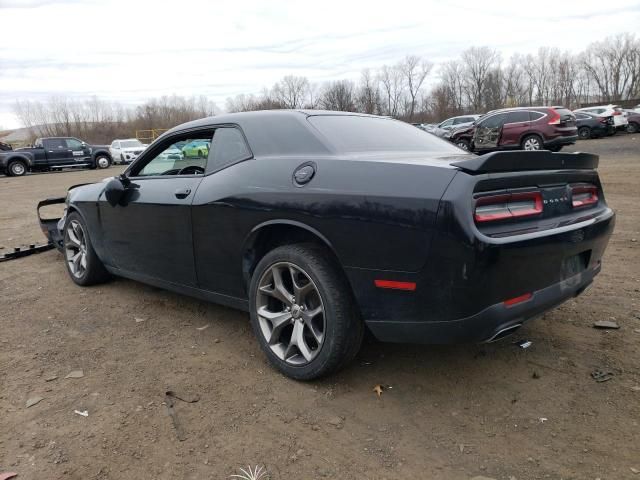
column 204, row 327
column 84, row 413
column 75, row 374
column 139, row 320
column 524, row 343
column 51, row 378
column 609, row 324
column 169, row 398
column 33, row 401
column 24, row 251
column 602, row 376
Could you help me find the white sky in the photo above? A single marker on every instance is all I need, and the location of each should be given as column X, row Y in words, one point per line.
column 131, row 50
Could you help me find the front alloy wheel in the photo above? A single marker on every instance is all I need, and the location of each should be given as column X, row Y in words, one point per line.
column 102, row 162
column 75, row 248
column 290, row 313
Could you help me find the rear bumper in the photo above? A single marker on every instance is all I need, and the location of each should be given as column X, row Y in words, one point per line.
column 558, row 141
column 488, row 324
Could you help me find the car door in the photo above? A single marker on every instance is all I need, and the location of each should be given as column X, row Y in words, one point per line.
column 515, row 125
column 149, row 234
column 487, row 132
column 57, row 152
column 447, row 124
column 78, row 150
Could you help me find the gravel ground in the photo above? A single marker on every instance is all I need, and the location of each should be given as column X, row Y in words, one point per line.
column 448, row 413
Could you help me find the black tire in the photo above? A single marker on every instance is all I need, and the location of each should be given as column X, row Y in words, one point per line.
column 343, row 327
column 633, row 127
column 530, row 140
column 102, row 162
column 16, row 168
column 584, row 133
column 463, row 144
column 94, row 271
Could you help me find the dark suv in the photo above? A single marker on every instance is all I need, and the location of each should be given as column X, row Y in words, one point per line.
column 526, row 128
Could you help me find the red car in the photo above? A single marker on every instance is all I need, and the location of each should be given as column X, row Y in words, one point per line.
column 526, row 128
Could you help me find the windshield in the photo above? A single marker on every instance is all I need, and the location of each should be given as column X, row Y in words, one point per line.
column 130, row 143
column 352, row 133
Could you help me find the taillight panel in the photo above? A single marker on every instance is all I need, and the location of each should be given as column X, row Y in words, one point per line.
column 507, row 206
column 583, row 195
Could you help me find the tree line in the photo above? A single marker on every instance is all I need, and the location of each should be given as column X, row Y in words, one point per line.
column 413, row 89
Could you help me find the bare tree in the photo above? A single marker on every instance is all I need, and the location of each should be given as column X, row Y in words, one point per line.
column 478, row 62
column 291, row 91
column 368, row 94
column 338, row 95
column 415, row 70
column 392, row 85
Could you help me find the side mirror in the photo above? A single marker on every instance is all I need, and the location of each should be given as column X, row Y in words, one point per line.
column 114, row 191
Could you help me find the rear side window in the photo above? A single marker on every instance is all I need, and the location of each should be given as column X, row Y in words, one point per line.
column 535, row 116
column 517, row 117
column 228, row 146
column 352, row 133
column 55, row 144
column 494, row 121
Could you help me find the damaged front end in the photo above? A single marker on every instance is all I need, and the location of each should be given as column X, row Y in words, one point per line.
column 52, row 227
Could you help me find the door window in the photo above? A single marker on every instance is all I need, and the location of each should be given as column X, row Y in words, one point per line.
column 184, row 155
column 55, row 144
column 446, row 123
column 74, row 144
column 495, row 121
column 517, row 117
column 228, row 147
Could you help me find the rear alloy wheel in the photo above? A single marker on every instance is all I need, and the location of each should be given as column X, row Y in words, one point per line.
column 303, row 313
column 532, row 142
column 17, row 168
column 102, row 162
column 633, row 127
column 83, row 265
column 584, row 133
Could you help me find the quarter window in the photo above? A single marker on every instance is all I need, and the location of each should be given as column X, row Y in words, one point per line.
column 517, row 117
column 536, row 116
column 228, row 147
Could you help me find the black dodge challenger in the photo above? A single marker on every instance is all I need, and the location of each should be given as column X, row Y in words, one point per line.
column 321, row 224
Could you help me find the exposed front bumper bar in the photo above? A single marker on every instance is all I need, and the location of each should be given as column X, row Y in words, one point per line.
column 49, row 226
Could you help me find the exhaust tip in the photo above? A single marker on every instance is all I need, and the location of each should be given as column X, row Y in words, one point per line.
column 504, row 332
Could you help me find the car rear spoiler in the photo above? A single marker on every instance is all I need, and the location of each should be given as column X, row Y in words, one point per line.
column 521, row 160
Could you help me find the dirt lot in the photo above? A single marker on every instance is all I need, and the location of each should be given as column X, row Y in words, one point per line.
column 449, row 412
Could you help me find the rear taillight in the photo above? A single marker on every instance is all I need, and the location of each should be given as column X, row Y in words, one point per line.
column 583, row 195
column 554, row 117
column 615, row 112
column 508, row 205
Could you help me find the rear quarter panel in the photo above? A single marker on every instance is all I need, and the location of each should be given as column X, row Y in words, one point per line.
column 375, row 214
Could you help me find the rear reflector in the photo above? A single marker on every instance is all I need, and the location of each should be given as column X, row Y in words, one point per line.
column 514, row 301
column 583, row 195
column 509, row 205
column 409, row 286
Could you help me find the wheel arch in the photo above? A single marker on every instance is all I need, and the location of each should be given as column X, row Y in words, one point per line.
column 274, row 233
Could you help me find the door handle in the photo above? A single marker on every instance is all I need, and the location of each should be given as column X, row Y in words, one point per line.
column 182, row 192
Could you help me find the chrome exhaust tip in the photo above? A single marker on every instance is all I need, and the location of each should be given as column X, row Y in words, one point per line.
column 504, row 332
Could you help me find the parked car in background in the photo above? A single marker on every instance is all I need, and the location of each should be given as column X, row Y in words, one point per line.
column 126, row 150
column 321, row 223
column 524, row 128
column 591, row 125
column 633, row 117
column 53, row 153
column 198, row 149
column 618, row 114
column 5, row 147
column 457, row 122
